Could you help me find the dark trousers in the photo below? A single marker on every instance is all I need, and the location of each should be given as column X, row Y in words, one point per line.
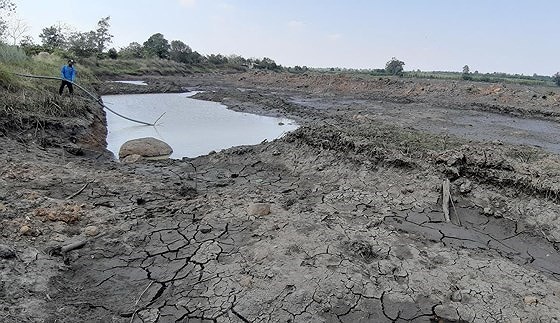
column 68, row 84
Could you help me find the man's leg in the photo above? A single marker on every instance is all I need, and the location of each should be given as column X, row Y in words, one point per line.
column 61, row 88
column 70, row 87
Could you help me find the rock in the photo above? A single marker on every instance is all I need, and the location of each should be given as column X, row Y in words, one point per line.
column 259, row 209
column 487, row 211
column 149, row 315
column 205, row 229
column 530, row 300
column 25, row 230
column 246, row 281
column 466, row 187
column 447, row 312
column 150, row 148
column 6, row 252
column 131, row 159
column 91, row 231
column 457, row 296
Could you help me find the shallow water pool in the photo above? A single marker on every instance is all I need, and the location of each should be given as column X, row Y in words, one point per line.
column 191, row 127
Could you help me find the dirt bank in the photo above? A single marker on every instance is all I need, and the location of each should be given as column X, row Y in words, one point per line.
column 340, row 221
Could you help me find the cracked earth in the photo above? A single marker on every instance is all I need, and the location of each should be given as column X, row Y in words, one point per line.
column 339, row 221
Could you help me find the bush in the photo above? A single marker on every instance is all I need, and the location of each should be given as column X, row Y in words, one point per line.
column 556, row 78
column 12, row 55
column 394, row 67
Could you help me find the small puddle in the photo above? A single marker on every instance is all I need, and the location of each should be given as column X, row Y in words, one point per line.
column 191, row 127
column 480, row 232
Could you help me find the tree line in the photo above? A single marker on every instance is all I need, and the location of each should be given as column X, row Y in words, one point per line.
column 95, row 43
column 60, row 39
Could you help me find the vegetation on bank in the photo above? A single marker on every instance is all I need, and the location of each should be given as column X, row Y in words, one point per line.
column 30, row 105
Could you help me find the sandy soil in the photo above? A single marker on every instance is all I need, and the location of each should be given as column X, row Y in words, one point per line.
column 339, row 221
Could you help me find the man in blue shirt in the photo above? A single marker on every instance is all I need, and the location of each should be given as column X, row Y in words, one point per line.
column 68, row 75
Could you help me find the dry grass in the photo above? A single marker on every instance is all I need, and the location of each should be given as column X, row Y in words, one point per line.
column 28, row 104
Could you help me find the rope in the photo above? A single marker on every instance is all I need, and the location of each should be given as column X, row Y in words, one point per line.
column 98, row 100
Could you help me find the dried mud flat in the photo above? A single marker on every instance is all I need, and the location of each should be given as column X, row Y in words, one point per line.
column 339, row 221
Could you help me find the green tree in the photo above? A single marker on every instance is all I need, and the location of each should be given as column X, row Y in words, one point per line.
column 466, row 73
column 267, row 64
column 181, row 52
column 53, row 37
column 112, row 53
column 157, row 46
column 133, row 50
column 30, row 48
column 83, row 44
column 556, row 78
column 394, row 67
column 7, row 7
column 217, row 59
column 102, row 36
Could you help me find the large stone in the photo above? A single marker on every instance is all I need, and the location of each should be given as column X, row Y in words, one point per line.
column 150, row 148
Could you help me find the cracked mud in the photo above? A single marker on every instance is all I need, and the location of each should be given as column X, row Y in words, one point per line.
column 340, row 221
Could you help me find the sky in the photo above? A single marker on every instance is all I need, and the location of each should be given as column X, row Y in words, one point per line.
column 444, row 35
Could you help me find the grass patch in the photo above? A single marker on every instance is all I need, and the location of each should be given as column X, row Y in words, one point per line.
column 27, row 103
column 139, row 67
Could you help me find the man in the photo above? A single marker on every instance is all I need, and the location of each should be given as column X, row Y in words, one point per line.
column 68, row 74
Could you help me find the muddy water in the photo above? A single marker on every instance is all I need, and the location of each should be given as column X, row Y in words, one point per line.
column 191, row 127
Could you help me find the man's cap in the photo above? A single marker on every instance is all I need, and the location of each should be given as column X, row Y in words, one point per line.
column 71, row 61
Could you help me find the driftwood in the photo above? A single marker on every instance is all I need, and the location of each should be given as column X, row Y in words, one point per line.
column 93, row 97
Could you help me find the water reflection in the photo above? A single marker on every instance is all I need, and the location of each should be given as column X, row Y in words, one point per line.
column 191, row 127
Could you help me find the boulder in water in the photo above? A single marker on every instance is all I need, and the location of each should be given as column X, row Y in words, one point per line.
column 149, row 148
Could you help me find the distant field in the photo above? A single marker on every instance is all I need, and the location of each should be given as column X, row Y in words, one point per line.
column 442, row 75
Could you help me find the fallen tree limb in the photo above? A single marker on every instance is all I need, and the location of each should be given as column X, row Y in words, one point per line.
column 96, row 99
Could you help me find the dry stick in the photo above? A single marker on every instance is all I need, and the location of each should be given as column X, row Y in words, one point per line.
column 72, row 246
column 98, row 100
column 446, row 198
column 138, row 300
column 456, row 213
column 80, row 191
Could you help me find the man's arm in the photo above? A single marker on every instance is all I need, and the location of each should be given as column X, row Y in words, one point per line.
column 62, row 72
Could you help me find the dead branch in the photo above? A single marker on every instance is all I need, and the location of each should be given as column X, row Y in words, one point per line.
column 73, row 246
column 79, row 191
column 445, row 200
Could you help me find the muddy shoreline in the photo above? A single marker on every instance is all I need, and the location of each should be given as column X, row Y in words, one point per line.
column 339, row 221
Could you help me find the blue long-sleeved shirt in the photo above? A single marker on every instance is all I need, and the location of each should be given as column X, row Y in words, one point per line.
column 68, row 73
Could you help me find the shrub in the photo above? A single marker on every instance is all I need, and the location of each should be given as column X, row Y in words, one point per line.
column 12, row 55
column 556, row 78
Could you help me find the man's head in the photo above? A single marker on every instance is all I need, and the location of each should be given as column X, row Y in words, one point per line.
column 70, row 62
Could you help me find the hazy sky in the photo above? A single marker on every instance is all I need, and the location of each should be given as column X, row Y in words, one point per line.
column 488, row 35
